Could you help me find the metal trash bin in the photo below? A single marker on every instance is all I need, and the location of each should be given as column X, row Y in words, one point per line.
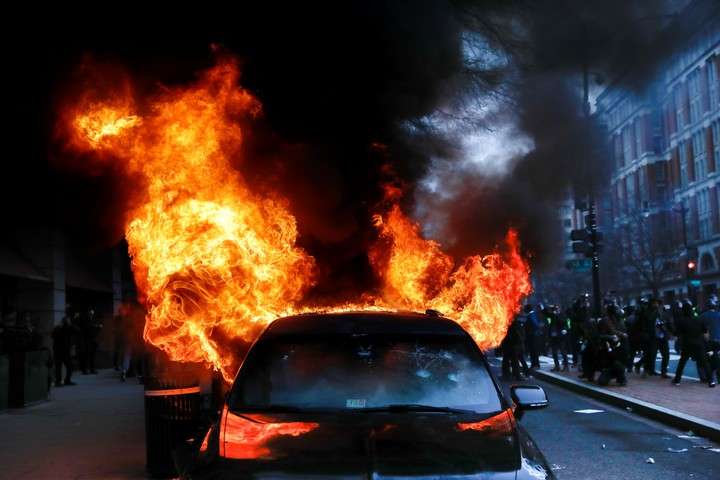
column 172, row 415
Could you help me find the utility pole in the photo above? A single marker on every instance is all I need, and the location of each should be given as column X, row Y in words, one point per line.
column 591, row 219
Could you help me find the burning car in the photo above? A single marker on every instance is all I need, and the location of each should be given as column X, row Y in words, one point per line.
column 368, row 395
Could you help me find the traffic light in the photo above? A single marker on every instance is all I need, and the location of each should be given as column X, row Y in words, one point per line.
column 584, row 241
column 581, row 242
column 691, row 265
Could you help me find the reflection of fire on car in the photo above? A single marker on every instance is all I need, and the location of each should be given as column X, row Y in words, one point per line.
column 368, row 395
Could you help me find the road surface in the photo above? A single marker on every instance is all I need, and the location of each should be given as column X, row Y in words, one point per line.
column 612, row 443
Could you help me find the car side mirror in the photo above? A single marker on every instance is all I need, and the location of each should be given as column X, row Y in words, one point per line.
column 528, row 397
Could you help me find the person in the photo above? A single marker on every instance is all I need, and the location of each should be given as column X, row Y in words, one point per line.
column 558, row 329
column 580, row 315
column 710, row 321
column 589, row 351
column 63, row 336
column 131, row 331
column 633, row 340
column 512, row 350
column 18, row 335
column 118, row 338
column 536, row 333
column 657, row 330
column 692, row 334
column 90, row 327
column 611, row 352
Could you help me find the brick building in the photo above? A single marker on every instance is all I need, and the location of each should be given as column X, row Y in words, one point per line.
column 665, row 185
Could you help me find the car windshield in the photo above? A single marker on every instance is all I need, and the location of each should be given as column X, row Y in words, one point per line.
column 360, row 372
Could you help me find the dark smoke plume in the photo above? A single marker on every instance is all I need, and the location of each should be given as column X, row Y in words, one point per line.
column 618, row 41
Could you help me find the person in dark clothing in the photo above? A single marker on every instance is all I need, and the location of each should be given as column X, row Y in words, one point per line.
column 611, row 352
column 657, row 329
column 558, row 327
column 580, row 315
column 536, row 332
column 513, row 350
column 691, row 331
column 590, row 350
column 634, row 344
column 90, row 327
column 710, row 321
column 63, row 337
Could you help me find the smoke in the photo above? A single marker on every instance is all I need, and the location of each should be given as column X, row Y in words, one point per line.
column 620, row 42
column 351, row 88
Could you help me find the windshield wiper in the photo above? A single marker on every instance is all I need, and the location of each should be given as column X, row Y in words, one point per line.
column 271, row 408
column 414, row 407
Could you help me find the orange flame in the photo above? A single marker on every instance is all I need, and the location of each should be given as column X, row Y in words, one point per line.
column 215, row 261
column 482, row 294
column 211, row 258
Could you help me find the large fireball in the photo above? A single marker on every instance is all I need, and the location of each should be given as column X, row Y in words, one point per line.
column 215, row 261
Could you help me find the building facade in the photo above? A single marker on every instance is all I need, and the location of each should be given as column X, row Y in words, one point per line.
column 665, row 184
column 42, row 273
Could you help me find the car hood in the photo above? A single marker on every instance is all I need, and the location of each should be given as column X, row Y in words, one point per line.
column 362, row 446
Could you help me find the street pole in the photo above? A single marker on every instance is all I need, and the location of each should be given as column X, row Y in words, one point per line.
column 683, row 213
column 592, row 210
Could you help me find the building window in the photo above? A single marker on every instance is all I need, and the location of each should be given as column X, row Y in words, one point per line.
column 695, row 96
column 661, row 193
column 659, row 172
column 618, row 150
column 627, row 145
column 682, row 152
column 707, row 264
column 699, row 155
column 716, row 143
column 703, row 206
column 643, row 185
column 630, row 186
column 712, row 78
column 639, row 149
column 567, row 223
column 679, row 108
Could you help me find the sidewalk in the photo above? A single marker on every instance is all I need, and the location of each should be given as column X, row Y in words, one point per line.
column 691, row 405
column 89, row 431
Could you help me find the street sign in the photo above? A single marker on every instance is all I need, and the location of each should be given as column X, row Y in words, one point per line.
column 579, row 264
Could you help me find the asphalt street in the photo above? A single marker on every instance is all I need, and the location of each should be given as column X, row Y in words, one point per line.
column 614, row 444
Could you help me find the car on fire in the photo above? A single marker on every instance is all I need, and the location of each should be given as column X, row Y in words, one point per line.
column 368, row 395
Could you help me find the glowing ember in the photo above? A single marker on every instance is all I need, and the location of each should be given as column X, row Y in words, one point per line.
column 215, row 261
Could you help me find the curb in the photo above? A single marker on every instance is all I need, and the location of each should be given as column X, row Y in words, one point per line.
column 673, row 418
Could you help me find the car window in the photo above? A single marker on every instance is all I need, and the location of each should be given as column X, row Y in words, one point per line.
column 363, row 371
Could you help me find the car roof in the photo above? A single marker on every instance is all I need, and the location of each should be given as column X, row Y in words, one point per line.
column 364, row 322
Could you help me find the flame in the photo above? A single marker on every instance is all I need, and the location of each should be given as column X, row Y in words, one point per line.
column 241, row 438
column 482, row 294
column 211, row 258
column 215, row 261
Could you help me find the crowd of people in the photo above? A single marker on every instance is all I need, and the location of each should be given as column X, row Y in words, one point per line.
column 77, row 337
column 77, row 333
column 74, row 341
column 622, row 340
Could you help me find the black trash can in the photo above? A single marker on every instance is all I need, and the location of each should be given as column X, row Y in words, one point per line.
column 172, row 415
